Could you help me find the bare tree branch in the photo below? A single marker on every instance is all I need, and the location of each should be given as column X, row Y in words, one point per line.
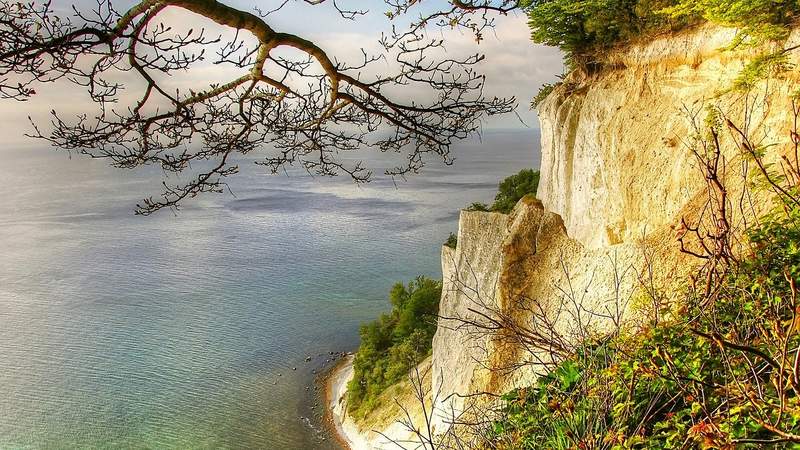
column 291, row 97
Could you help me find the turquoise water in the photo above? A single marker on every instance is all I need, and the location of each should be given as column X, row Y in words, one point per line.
column 182, row 331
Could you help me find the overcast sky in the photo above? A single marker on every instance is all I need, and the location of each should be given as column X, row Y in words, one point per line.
column 514, row 66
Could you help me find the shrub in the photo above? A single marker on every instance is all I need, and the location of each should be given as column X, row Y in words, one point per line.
column 582, row 27
column 452, row 241
column 395, row 343
column 509, row 192
column 513, row 188
column 477, row 206
column 544, row 91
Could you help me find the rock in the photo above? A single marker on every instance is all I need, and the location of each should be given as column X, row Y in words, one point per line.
column 613, row 165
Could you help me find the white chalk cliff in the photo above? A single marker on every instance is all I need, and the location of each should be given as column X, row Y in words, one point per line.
column 615, row 177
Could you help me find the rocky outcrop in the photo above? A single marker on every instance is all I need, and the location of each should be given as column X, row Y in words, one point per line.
column 512, row 266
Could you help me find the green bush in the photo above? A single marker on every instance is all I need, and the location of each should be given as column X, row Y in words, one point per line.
column 513, row 188
column 452, row 241
column 581, row 27
column 478, row 206
column 544, row 91
column 509, row 192
column 395, row 343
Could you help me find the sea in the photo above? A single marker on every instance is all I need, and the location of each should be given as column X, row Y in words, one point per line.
column 206, row 327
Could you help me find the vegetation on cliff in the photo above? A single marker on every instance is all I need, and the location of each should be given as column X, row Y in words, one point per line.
column 395, row 343
column 513, row 188
column 715, row 364
column 452, row 241
column 510, row 191
column 582, row 27
column 719, row 372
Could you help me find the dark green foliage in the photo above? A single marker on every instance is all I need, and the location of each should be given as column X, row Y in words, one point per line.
column 477, row 206
column 581, row 27
column 509, row 192
column 451, row 241
column 513, row 188
column 395, row 343
column 544, row 91
column 719, row 374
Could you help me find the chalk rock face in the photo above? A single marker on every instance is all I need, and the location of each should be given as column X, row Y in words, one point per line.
column 614, row 161
column 470, row 277
column 510, row 266
column 616, row 176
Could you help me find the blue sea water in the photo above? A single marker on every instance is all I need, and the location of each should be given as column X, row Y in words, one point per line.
column 182, row 330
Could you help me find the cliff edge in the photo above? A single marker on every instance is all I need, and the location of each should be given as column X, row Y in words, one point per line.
column 617, row 178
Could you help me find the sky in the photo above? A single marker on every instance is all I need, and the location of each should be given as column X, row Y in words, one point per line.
column 514, row 66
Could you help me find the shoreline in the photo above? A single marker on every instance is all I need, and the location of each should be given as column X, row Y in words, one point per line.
column 334, row 383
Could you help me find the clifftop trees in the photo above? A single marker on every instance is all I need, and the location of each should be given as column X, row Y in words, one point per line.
column 290, row 95
column 580, row 27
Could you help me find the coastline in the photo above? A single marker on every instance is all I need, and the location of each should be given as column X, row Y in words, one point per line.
column 335, row 388
column 346, row 431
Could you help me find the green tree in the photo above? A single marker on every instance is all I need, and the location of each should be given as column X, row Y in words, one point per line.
column 513, row 188
column 452, row 241
column 418, row 311
column 394, row 343
column 582, row 27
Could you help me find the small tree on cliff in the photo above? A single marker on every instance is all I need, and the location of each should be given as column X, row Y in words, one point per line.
column 291, row 95
column 513, row 188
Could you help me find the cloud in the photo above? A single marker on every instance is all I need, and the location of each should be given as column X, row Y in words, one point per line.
column 514, row 65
